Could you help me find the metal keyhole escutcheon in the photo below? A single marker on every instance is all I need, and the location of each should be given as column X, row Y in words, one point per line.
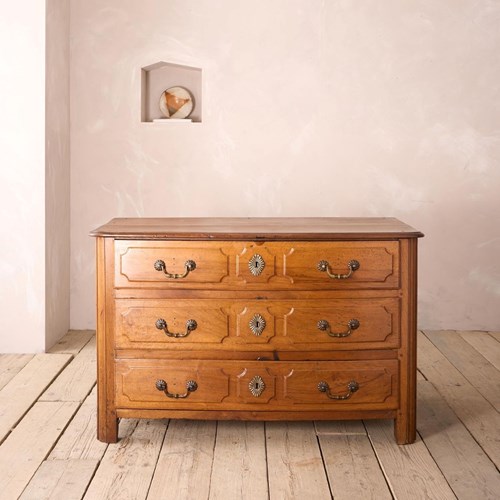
column 256, row 264
column 257, row 324
column 256, row 386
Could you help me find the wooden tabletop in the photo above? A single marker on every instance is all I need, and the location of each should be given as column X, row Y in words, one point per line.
column 257, row 228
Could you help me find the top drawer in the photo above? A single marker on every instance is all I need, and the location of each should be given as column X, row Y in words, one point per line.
column 257, row 266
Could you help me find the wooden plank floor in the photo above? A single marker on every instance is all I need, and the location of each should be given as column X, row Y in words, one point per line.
column 49, row 451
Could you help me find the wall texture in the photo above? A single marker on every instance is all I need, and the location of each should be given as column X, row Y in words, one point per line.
column 22, row 176
column 34, row 177
column 57, row 172
column 327, row 108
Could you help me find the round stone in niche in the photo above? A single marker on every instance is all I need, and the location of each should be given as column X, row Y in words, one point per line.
column 176, row 102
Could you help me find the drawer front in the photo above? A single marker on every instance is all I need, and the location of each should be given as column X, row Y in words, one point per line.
column 256, row 325
column 167, row 264
column 168, row 324
column 257, row 266
column 343, row 264
column 238, row 385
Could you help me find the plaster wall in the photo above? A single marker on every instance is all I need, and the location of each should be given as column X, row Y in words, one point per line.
column 327, row 108
column 57, row 172
column 22, row 174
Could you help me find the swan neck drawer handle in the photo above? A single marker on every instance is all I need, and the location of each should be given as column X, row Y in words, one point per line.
column 324, row 326
column 191, row 325
column 189, row 265
column 324, row 267
column 352, row 387
column 191, row 386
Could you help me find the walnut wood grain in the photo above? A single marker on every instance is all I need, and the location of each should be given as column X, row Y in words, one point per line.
column 224, row 385
column 225, row 265
column 240, row 228
column 267, row 269
column 289, row 324
column 405, row 425
column 302, row 414
column 107, row 423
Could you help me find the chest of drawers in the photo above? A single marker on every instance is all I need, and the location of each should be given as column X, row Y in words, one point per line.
column 256, row 319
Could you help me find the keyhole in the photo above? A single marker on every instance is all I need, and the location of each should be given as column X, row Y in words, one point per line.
column 257, row 385
column 257, row 324
column 256, row 264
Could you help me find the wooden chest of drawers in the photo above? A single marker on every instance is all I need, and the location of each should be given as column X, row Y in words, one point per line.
column 258, row 319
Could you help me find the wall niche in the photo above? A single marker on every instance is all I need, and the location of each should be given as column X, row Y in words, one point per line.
column 158, row 77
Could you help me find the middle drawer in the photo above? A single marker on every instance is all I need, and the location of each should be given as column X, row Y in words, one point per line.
column 253, row 325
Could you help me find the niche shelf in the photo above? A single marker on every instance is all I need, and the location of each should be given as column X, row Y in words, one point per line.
column 158, row 77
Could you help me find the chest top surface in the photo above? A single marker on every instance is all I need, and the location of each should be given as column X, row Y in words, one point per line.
column 257, row 228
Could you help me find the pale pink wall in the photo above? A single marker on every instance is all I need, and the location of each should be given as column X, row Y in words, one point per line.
column 57, row 172
column 22, row 176
column 310, row 108
column 34, row 176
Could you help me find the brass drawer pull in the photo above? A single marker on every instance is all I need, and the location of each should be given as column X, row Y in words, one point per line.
column 191, row 325
column 352, row 387
column 324, row 266
column 324, row 326
column 190, row 265
column 191, row 386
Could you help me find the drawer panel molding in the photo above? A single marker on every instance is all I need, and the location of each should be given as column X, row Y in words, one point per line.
column 275, row 266
column 246, row 324
column 236, row 384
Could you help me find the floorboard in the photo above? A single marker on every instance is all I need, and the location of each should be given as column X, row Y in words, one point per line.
column 50, row 450
column 340, row 427
column 17, row 397
column 73, row 342
column 60, row 480
column 495, row 335
column 486, row 345
column 127, row 467
column 476, row 413
column 29, row 443
column 78, row 441
column 239, row 466
column 470, row 363
column 410, row 470
column 77, row 380
column 185, row 461
column 352, row 467
column 10, row 365
column 294, row 462
column 467, row 469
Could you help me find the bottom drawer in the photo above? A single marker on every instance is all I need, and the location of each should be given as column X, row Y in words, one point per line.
column 256, row 385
